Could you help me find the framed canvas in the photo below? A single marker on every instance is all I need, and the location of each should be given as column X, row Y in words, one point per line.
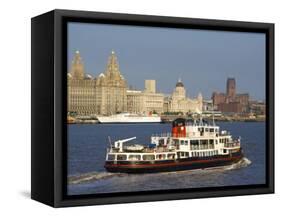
column 134, row 108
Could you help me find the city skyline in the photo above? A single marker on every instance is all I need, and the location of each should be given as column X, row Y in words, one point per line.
column 167, row 67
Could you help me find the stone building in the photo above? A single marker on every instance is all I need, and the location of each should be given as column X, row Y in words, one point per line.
column 150, row 86
column 231, row 101
column 80, row 89
column 108, row 94
column 179, row 102
column 147, row 101
column 111, row 89
column 135, row 101
column 105, row 94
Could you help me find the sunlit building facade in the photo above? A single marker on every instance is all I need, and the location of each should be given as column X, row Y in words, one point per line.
column 108, row 94
column 104, row 95
column 179, row 102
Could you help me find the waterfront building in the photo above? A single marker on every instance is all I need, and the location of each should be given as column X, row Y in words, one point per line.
column 111, row 89
column 147, row 101
column 150, row 86
column 231, row 101
column 135, row 101
column 104, row 95
column 153, row 102
column 208, row 105
column 108, row 94
column 80, row 89
column 257, row 107
column 179, row 102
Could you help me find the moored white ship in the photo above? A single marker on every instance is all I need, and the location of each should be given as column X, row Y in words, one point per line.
column 129, row 118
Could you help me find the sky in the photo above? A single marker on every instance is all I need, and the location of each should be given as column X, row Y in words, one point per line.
column 202, row 59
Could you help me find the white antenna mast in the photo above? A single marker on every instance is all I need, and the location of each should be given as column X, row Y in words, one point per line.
column 213, row 113
column 109, row 139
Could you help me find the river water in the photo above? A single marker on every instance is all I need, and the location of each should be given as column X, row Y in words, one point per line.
column 87, row 148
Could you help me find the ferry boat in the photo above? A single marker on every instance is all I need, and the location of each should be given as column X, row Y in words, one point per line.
column 129, row 118
column 189, row 145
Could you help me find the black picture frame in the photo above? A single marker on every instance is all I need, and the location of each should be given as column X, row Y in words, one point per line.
column 49, row 148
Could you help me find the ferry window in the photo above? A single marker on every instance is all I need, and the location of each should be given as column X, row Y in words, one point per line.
column 176, row 141
column 171, row 156
column 161, row 156
column 187, row 154
column 204, row 142
column 161, row 141
column 211, row 141
column 121, row 157
column 186, row 142
column 211, row 130
column 182, row 142
column 148, row 157
column 194, row 142
column 111, row 157
column 168, row 140
column 207, row 129
column 134, row 157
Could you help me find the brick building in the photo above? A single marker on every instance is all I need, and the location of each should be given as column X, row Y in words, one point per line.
column 231, row 101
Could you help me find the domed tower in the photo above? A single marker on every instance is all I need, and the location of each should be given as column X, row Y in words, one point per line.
column 179, row 91
column 77, row 67
column 200, row 97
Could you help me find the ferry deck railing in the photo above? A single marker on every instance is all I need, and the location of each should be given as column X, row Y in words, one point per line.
column 161, row 135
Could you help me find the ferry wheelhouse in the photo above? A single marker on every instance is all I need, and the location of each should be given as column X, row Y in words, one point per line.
column 189, row 145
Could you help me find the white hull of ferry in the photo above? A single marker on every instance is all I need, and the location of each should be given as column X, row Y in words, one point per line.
column 128, row 119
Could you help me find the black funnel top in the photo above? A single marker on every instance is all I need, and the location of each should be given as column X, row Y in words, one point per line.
column 179, row 122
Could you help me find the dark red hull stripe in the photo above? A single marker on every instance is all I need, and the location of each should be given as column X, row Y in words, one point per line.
column 170, row 164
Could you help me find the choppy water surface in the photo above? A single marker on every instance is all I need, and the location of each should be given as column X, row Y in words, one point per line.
column 87, row 147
